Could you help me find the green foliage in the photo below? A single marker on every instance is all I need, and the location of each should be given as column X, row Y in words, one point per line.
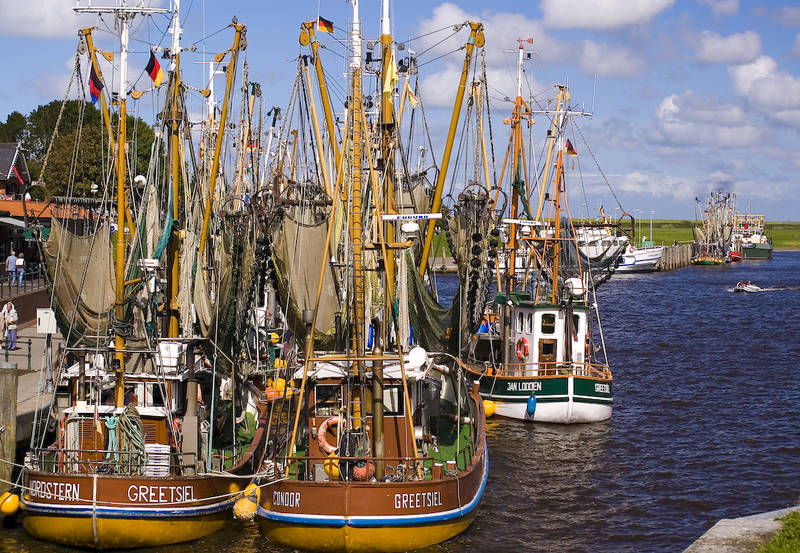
column 14, row 127
column 788, row 539
column 82, row 145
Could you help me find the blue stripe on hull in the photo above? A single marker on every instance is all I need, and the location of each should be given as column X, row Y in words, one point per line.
column 118, row 512
column 381, row 521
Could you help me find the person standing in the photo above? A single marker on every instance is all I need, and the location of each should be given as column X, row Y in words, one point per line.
column 10, row 319
column 11, row 267
column 20, row 269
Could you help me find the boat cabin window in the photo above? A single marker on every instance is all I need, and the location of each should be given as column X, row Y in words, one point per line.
column 575, row 326
column 529, row 323
column 154, row 395
column 328, row 399
column 548, row 323
column 520, row 319
column 393, row 401
column 547, row 348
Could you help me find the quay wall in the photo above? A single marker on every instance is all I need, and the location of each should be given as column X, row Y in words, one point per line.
column 675, row 257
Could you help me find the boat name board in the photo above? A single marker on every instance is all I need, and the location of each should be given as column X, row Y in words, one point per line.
column 54, row 490
column 417, row 500
column 602, row 388
column 161, row 494
column 523, row 386
column 286, row 499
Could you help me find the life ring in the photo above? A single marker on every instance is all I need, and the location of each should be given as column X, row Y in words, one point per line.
column 523, row 349
column 321, row 441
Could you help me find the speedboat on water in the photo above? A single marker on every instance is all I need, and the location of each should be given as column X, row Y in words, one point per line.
column 746, row 287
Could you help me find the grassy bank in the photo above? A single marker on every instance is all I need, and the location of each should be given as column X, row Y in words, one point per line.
column 788, row 539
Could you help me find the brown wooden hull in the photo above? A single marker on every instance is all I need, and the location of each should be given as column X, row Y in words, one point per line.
column 372, row 516
column 111, row 512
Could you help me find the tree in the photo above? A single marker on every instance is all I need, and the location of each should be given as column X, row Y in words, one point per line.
column 14, row 127
column 82, row 137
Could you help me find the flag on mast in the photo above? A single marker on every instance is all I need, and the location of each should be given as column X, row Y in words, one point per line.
column 412, row 98
column 570, row 149
column 95, row 85
column 391, row 78
column 153, row 69
column 324, row 26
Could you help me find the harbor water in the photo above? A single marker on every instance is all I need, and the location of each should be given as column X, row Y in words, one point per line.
column 707, row 383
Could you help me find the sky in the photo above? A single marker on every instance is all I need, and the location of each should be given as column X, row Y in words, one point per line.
column 687, row 96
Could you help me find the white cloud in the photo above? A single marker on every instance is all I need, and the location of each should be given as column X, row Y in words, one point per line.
column 736, row 48
column 40, row 19
column 609, row 61
column 600, row 14
column 722, row 7
column 692, row 120
column 501, row 31
column 788, row 16
column 766, row 87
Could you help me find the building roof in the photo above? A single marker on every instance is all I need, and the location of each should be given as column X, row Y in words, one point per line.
column 10, row 153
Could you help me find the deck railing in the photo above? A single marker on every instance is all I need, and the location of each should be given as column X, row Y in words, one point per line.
column 104, row 461
column 551, row 369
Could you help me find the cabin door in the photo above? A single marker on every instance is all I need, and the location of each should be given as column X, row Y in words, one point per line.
column 547, row 353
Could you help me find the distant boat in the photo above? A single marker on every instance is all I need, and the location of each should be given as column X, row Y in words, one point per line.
column 706, row 259
column 746, row 287
column 640, row 259
column 748, row 232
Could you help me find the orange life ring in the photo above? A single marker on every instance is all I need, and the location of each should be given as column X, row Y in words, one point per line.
column 321, row 441
column 523, row 349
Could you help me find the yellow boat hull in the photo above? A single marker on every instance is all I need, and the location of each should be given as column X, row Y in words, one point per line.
column 117, row 533
column 362, row 540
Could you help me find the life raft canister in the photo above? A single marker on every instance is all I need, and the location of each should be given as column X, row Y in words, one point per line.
column 523, row 349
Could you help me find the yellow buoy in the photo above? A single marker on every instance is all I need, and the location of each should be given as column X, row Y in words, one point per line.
column 279, row 385
column 246, row 506
column 488, row 407
column 9, row 503
column 331, row 466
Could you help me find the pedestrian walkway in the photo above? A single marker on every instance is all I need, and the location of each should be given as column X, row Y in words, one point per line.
column 740, row 535
column 32, row 369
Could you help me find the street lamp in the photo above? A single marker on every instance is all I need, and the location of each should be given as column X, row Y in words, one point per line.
column 651, row 227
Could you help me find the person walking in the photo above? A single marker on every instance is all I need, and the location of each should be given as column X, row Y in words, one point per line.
column 11, row 267
column 10, row 319
column 20, row 269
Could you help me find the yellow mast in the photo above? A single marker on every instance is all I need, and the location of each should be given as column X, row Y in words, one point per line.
column 558, row 185
column 563, row 96
column 387, row 84
column 234, row 50
column 308, row 36
column 475, row 39
column 317, row 133
column 87, row 33
column 173, row 246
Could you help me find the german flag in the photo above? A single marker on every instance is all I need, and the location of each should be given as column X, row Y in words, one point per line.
column 95, row 85
column 153, row 69
column 570, row 149
column 324, row 26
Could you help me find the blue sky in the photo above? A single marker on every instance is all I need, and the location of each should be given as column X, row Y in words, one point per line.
column 688, row 96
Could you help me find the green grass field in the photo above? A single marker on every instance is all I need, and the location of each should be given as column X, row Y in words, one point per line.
column 788, row 539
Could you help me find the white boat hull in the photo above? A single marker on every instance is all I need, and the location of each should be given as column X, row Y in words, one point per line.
column 640, row 260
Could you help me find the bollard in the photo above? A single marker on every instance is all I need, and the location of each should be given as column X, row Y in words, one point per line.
column 8, row 421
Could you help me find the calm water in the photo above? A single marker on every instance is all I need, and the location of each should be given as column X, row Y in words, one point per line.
column 707, row 384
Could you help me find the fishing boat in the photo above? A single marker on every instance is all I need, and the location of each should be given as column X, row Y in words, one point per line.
column 149, row 440
column 714, row 242
column 535, row 357
column 379, row 443
column 748, row 232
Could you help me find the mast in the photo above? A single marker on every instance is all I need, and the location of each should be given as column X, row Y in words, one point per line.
column 388, row 76
column 356, row 230
column 563, row 96
column 475, row 39
column 174, row 157
column 234, row 50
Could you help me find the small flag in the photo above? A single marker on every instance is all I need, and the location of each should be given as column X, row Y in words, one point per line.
column 570, row 150
column 153, row 69
column 413, row 99
column 324, row 26
column 95, row 85
column 391, row 78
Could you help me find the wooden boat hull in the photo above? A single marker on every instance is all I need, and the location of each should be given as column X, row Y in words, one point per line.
column 559, row 399
column 116, row 512
column 365, row 517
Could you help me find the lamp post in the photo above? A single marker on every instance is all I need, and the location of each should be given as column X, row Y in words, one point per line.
column 651, row 227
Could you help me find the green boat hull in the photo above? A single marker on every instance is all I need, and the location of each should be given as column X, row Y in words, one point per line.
column 757, row 251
